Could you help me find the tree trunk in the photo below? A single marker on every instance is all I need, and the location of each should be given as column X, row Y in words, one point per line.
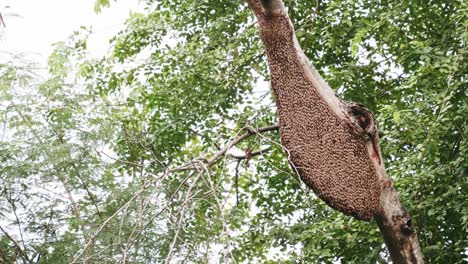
column 332, row 145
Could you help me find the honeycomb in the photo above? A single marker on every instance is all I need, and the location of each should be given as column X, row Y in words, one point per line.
column 332, row 160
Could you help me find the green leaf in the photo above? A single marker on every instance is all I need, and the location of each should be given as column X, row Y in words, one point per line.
column 396, row 117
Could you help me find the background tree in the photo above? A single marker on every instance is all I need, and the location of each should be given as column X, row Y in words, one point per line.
column 116, row 143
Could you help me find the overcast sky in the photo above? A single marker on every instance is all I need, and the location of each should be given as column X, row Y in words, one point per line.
column 40, row 23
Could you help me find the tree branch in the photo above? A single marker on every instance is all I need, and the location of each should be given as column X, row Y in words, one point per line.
column 24, row 256
column 320, row 130
column 253, row 154
column 193, row 165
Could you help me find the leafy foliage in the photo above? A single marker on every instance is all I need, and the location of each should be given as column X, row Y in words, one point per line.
column 90, row 155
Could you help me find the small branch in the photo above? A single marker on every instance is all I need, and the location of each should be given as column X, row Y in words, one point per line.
column 237, row 181
column 181, row 218
column 251, row 131
column 18, row 222
column 101, row 227
column 88, row 192
column 170, row 201
column 211, row 161
column 2, row 22
column 253, row 154
column 24, row 256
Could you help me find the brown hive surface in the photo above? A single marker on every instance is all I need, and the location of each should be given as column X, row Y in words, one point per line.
column 331, row 159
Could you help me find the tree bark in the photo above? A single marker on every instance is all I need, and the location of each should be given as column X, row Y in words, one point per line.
column 333, row 145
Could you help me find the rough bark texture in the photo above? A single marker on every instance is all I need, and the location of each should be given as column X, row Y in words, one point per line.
column 333, row 145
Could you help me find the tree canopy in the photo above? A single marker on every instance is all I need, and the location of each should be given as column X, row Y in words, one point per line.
column 124, row 157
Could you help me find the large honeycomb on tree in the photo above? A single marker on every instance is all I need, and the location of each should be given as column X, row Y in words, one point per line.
column 329, row 157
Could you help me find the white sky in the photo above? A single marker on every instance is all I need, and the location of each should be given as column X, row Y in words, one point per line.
column 40, row 23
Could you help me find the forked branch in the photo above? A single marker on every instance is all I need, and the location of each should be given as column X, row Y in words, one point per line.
column 208, row 162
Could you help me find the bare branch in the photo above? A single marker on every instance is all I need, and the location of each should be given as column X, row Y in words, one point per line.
column 253, row 154
column 211, row 161
column 2, row 22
